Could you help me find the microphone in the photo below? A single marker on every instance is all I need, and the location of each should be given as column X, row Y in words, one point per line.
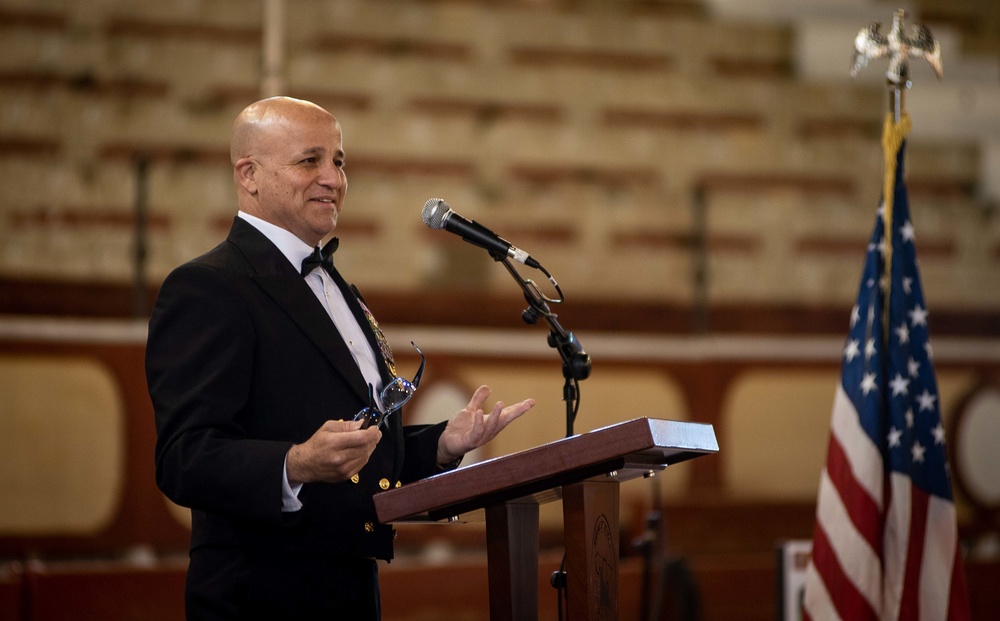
column 438, row 215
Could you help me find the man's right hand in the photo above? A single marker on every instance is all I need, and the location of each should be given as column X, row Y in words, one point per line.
column 336, row 452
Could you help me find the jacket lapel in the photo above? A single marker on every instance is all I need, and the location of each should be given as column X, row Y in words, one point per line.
column 354, row 302
column 276, row 276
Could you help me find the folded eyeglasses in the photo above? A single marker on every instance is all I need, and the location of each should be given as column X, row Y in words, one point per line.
column 393, row 396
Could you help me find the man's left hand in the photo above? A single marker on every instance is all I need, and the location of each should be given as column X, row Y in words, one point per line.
column 472, row 427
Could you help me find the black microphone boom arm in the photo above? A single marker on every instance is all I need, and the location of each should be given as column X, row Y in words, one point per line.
column 576, row 362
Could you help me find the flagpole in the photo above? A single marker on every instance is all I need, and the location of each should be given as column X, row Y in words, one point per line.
column 898, row 45
column 892, row 136
column 885, row 544
column 895, row 100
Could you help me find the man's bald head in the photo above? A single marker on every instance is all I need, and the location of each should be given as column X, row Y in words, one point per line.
column 260, row 120
column 288, row 166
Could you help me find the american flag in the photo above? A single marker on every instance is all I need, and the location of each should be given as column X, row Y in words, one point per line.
column 885, row 544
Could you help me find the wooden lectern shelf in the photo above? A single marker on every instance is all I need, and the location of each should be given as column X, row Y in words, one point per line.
column 625, row 450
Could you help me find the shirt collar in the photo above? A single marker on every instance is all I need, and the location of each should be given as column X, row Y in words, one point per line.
column 291, row 246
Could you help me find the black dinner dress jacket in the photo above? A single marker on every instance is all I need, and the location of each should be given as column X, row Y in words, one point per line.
column 242, row 361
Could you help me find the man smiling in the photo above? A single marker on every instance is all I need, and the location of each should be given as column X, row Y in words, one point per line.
column 259, row 356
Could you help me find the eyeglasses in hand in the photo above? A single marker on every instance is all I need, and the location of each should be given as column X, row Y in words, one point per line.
column 395, row 394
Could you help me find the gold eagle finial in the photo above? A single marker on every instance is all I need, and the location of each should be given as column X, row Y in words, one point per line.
column 899, row 45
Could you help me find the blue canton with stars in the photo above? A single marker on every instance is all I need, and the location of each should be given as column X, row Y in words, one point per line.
column 891, row 381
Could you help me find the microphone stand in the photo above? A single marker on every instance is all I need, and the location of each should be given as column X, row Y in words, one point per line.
column 576, row 362
column 575, row 366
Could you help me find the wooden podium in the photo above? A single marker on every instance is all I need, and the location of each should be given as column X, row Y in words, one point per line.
column 585, row 471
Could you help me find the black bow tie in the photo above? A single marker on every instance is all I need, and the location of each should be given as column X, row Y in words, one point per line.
column 319, row 257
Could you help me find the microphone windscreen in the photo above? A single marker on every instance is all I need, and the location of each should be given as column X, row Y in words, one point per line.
column 435, row 213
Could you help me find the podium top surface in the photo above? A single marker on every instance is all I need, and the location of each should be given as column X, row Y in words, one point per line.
column 629, row 449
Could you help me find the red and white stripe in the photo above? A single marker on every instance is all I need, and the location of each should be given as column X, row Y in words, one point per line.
column 875, row 558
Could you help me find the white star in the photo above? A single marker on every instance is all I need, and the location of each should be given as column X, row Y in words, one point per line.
column 882, row 248
column 855, row 315
column 938, row 434
column 868, row 383
column 909, row 419
column 907, row 285
column 870, row 349
column 913, row 366
column 894, row 436
column 900, row 385
column 918, row 316
column 918, row 452
column 907, row 231
column 926, row 400
column 852, row 350
column 929, row 350
column 903, row 333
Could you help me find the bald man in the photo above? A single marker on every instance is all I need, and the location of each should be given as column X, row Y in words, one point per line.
column 257, row 366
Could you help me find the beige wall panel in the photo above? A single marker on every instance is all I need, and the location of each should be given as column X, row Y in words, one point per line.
column 61, row 445
column 777, row 426
column 179, row 513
